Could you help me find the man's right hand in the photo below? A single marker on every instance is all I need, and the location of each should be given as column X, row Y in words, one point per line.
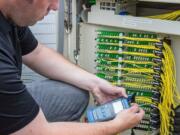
column 128, row 118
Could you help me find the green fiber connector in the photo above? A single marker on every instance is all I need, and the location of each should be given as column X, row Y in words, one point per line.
column 107, row 55
column 137, row 58
column 147, row 115
column 144, row 127
column 122, row 64
column 105, row 69
column 107, row 62
column 145, row 122
column 145, row 93
column 108, row 77
column 109, row 33
column 127, row 65
column 147, row 87
column 125, row 57
column 140, row 50
column 124, row 48
column 133, row 42
column 137, row 75
column 142, row 35
column 147, row 109
column 108, row 47
column 137, row 80
column 108, row 40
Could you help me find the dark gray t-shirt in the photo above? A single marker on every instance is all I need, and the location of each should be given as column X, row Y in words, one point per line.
column 17, row 107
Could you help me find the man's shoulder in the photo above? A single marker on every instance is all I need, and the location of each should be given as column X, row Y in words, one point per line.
column 5, row 45
column 3, row 38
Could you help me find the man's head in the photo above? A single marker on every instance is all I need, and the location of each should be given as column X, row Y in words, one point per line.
column 27, row 12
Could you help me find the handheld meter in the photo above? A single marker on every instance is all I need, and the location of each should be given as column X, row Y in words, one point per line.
column 107, row 111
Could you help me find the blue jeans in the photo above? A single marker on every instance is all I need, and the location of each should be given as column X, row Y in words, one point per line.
column 59, row 101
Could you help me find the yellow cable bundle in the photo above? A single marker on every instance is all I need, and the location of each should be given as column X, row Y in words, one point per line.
column 172, row 71
column 168, row 16
column 169, row 92
column 164, row 128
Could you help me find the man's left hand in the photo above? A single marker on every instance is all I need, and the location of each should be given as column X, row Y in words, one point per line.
column 104, row 92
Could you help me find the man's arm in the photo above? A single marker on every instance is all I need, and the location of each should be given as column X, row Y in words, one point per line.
column 53, row 65
column 126, row 119
column 39, row 126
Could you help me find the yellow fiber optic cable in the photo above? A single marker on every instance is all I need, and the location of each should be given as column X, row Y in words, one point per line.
column 130, row 45
column 140, row 39
column 173, row 69
column 141, row 46
column 169, row 89
column 167, row 16
column 145, row 74
column 129, row 61
column 132, row 70
column 132, row 38
column 129, row 53
column 132, row 85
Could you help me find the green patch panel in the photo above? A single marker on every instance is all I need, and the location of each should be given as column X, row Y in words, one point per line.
column 133, row 61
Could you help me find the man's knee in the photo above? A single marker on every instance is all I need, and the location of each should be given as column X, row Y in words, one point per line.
column 81, row 104
column 60, row 101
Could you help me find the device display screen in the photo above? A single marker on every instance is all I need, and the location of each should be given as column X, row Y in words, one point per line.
column 118, row 106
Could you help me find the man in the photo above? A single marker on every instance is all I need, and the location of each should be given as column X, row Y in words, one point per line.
column 19, row 112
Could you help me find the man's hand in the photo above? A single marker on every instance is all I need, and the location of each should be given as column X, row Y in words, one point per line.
column 128, row 118
column 104, row 91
